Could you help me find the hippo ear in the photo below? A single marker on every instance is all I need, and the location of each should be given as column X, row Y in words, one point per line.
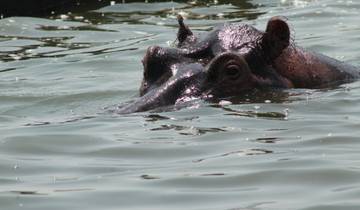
column 183, row 32
column 276, row 37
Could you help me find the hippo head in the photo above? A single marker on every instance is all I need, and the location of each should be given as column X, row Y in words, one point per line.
column 228, row 61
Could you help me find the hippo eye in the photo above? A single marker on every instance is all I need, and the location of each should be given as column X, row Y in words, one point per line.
column 232, row 70
column 228, row 68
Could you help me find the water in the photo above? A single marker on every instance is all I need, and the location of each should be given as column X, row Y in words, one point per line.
column 60, row 147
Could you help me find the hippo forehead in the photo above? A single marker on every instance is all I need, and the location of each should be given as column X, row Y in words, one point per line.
column 238, row 37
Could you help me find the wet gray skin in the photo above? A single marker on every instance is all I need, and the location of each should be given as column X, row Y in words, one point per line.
column 229, row 61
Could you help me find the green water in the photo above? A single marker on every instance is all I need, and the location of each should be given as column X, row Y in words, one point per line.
column 61, row 148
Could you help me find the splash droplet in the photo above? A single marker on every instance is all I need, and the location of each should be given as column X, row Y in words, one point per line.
column 267, row 101
column 224, row 103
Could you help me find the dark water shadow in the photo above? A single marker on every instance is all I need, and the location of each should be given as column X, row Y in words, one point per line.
column 70, row 120
column 29, row 192
column 8, row 69
column 46, row 8
column 255, row 114
column 43, row 8
column 131, row 12
column 25, row 52
column 37, row 193
column 188, row 130
column 245, row 152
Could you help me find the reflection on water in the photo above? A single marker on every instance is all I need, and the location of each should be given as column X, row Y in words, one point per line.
column 62, row 145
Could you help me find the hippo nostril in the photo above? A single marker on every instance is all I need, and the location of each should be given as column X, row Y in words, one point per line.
column 153, row 54
column 150, row 57
column 156, row 62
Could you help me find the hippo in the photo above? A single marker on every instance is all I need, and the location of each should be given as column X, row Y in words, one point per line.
column 231, row 60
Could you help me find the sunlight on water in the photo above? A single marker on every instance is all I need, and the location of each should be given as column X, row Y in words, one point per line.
column 63, row 146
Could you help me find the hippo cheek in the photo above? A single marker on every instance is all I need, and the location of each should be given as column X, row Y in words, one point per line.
column 228, row 74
